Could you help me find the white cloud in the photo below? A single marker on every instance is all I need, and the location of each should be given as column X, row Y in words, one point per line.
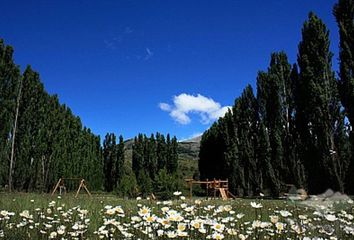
column 149, row 54
column 165, row 107
column 185, row 104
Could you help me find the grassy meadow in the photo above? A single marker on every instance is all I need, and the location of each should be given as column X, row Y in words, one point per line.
column 102, row 216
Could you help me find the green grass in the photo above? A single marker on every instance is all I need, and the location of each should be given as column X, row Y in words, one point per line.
column 17, row 202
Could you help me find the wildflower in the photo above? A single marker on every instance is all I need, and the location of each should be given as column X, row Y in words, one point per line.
column 274, row 219
column 182, row 234
column 177, row 193
column 280, row 227
column 165, row 223
column 61, row 230
column 196, row 224
column 135, row 219
column 181, row 227
column 231, row 231
column 171, row 234
column 217, row 235
column 285, row 213
column 53, row 235
column 119, row 210
column 331, row 217
column 218, row 227
column 164, row 209
column 144, row 211
column 150, row 219
column 83, row 211
column 256, row 224
column 160, row 232
column 240, row 215
column 256, row 205
column 110, row 211
column 26, row 214
column 242, row 237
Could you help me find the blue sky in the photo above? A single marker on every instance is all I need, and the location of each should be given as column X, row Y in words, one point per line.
column 134, row 66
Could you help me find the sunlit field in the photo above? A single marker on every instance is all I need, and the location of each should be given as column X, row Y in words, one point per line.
column 35, row 216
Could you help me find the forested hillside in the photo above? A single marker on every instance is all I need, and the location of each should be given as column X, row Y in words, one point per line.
column 297, row 128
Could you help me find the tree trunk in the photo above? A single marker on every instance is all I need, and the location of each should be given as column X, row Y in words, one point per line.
column 13, row 137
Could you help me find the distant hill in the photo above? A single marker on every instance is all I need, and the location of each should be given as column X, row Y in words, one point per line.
column 188, row 151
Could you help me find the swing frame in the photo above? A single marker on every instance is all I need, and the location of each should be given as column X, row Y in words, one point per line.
column 82, row 184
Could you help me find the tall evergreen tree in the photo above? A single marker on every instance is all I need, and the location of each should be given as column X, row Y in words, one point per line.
column 313, row 107
column 172, row 161
column 110, row 159
column 120, row 161
column 138, row 154
column 9, row 87
column 245, row 118
column 161, row 151
column 344, row 13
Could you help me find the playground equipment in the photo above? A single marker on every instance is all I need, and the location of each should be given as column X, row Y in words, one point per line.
column 217, row 186
column 62, row 188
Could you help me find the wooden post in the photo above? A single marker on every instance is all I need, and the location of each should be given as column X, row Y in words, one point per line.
column 88, row 192
column 78, row 190
column 82, row 185
column 214, row 186
column 207, row 188
column 190, row 188
column 56, row 186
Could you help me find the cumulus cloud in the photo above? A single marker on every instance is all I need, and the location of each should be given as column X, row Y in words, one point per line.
column 185, row 104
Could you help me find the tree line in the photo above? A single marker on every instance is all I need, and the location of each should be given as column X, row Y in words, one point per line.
column 297, row 129
column 41, row 140
column 155, row 164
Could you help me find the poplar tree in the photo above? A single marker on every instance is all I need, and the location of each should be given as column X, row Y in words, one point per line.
column 119, row 166
column 110, row 159
column 314, row 103
column 9, row 87
column 245, row 118
column 344, row 13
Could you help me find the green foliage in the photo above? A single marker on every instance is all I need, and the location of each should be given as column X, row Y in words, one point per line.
column 317, row 108
column 165, row 185
column 144, row 183
column 294, row 132
column 127, row 186
column 113, row 157
column 344, row 13
column 9, row 84
column 150, row 155
column 50, row 141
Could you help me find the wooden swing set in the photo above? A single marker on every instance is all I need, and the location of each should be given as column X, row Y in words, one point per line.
column 62, row 188
column 216, row 186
